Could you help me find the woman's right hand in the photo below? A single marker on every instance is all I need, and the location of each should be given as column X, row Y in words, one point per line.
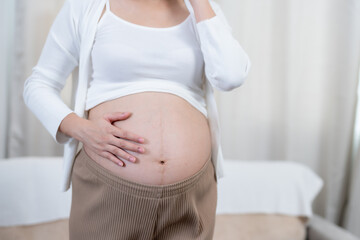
column 108, row 141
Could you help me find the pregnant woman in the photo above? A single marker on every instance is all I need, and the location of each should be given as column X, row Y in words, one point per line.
column 145, row 169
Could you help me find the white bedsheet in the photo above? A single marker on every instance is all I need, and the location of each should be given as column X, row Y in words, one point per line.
column 279, row 187
column 30, row 191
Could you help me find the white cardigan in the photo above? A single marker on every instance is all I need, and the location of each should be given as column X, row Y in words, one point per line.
column 67, row 50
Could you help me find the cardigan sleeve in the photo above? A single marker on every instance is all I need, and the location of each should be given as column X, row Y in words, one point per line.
column 58, row 58
column 226, row 63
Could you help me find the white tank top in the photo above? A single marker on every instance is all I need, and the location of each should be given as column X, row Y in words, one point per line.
column 130, row 58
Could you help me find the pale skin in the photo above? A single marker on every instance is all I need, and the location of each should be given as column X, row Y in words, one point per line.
column 175, row 134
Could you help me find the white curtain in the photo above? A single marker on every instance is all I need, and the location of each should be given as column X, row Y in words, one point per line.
column 7, row 10
column 351, row 219
column 298, row 103
column 24, row 133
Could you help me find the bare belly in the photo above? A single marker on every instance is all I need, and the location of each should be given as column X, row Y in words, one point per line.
column 174, row 132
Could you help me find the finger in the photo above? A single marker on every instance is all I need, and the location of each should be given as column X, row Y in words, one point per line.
column 124, row 144
column 120, row 153
column 119, row 132
column 116, row 116
column 112, row 158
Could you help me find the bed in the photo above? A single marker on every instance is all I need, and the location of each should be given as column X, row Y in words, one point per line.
column 260, row 200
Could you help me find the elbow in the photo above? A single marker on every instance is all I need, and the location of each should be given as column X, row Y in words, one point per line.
column 232, row 77
column 238, row 75
column 244, row 73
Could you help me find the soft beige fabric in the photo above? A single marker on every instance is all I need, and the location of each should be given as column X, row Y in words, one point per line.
column 227, row 227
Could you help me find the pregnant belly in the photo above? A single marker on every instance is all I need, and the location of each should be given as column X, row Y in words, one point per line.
column 177, row 137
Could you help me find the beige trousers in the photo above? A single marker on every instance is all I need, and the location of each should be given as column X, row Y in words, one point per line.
column 107, row 207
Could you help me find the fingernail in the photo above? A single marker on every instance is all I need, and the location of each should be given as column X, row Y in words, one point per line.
column 141, row 140
column 120, row 163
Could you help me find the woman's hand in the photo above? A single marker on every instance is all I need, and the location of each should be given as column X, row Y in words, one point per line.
column 109, row 141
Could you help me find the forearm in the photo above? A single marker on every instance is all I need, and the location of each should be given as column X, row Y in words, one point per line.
column 74, row 126
column 226, row 63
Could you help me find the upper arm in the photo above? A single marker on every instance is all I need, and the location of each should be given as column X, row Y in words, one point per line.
column 58, row 58
column 60, row 54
